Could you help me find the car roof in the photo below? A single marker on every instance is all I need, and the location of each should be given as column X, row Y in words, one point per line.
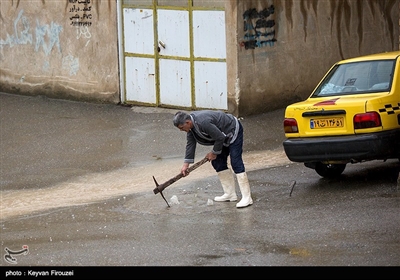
column 376, row 56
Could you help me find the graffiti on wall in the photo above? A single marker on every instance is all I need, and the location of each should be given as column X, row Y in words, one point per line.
column 44, row 37
column 70, row 64
column 47, row 36
column 259, row 28
column 81, row 13
column 52, row 32
column 21, row 36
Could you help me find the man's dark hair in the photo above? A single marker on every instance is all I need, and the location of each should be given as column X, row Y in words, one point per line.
column 180, row 118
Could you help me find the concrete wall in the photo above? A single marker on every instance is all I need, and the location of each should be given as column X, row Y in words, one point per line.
column 305, row 38
column 49, row 47
column 60, row 48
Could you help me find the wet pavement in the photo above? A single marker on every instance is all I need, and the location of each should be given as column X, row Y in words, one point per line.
column 60, row 153
column 77, row 189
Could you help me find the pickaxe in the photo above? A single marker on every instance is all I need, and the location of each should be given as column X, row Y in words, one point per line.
column 160, row 188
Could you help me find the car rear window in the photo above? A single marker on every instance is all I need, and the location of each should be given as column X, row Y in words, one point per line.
column 357, row 78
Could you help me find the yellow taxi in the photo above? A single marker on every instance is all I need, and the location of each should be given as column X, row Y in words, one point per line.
column 352, row 116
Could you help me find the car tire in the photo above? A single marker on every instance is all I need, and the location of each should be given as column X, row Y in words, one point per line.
column 329, row 170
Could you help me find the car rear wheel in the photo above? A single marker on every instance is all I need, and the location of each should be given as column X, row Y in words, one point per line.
column 329, row 170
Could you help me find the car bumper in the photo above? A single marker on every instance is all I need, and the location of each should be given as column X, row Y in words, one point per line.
column 352, row 148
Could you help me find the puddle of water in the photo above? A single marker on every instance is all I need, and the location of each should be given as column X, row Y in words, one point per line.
column 99, row 186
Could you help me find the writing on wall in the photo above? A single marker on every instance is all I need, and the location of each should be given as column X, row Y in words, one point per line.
column 80, row 12
column 259, row 28
column 51, row 32
column 70, row 64
column 44, row 37
column 47, row 36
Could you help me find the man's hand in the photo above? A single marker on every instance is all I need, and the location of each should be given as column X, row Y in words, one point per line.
column 210, row 156
column 184, row 169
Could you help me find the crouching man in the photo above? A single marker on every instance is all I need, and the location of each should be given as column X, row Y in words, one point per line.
column 224, row 132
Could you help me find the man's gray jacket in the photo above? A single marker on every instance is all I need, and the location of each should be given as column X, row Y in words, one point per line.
column 210, row 128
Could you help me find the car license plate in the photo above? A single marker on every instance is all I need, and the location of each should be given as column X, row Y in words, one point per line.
column 326, row 123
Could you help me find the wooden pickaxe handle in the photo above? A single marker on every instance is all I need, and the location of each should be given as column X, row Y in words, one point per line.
column 161, row 187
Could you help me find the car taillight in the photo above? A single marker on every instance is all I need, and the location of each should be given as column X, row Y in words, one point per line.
column 290, row 126
column 367, row 120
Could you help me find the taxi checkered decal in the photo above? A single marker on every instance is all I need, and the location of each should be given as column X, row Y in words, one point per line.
column 389, row 109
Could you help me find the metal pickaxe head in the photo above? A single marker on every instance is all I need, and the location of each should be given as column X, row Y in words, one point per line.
column 157, row 190
column 160, row 188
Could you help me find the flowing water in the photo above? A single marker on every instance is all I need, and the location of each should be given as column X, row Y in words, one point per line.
column 95, row 187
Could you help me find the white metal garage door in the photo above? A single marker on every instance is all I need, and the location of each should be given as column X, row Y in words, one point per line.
column 174, row 56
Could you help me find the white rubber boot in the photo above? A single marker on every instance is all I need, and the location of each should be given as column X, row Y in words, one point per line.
column 245, row 190
column 228, row 184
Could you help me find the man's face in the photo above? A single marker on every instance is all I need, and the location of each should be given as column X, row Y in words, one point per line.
column 186, row 126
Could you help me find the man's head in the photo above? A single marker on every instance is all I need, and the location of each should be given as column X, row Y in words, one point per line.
column 183, row 121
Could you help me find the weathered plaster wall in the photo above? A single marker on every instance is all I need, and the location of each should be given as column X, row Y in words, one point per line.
column 299, row 41
column 60, row 48
column 46, row 50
